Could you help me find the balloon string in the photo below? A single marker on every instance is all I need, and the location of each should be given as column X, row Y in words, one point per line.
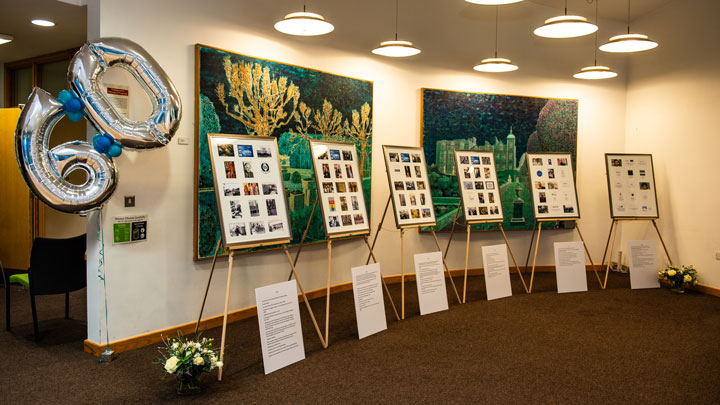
column 101, row 276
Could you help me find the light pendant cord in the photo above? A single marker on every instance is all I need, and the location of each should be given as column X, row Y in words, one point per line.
column 628, row 17
column 597, row 21
column 496, row 29
column 397, row 8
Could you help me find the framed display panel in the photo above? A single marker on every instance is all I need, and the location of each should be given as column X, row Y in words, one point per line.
column 631, row 185
column 478, row 186
column 553, row 185
column 288, row 102
column 249, row 190
column 507, row 125
column 340, row 188
column 409, row 186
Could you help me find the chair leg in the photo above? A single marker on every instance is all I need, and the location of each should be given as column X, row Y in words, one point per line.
column 67, row 305
column 7, row 308
column 34, row 315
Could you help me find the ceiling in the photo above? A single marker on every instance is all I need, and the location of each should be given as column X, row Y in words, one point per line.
column 70, row 30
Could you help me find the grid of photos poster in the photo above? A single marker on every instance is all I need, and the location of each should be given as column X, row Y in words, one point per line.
column 410, row 187
column 632, row 185
column 250, row 189
column 340, row 187
column 478, row 185
column 553, row 185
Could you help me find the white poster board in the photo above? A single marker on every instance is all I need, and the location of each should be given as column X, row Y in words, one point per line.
column 497, row 272
column 369, row 304
column 570, row 267
column 249, row 189
column 340, row 189
column 478, row 184
column 643, row 264
column 432, row 295
column 552, row 185
column 280, row 330
column 409, row 186
column 631, row 185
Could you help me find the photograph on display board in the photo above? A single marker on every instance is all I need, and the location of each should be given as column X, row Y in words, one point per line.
column 290, row 103
column 507, row 125
column 251, row 201
column 553, row 185
column 340, row 190
column 409, row 190
column 631, row 185
column 478, row 186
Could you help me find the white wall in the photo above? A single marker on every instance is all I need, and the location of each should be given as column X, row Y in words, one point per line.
column 155, row 284
column 672, row 104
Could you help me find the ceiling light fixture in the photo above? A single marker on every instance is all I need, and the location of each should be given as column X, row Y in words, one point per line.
column 495, row 65
column 626, row 43
column 43, row 23
column 565, row 26
column 396, row 48
column 5, row 38
column 493, row 2
column 304, row 24
column 595, row 72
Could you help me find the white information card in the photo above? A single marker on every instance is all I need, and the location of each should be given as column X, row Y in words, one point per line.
column 430, row 282
column 369, row 305
column 497, row 272
column 643, row 264
column 570, row 267
column 280, row 330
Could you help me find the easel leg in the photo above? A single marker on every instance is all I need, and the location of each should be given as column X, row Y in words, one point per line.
column 225, row 314
column 588, row 254
column 537, row 244
column 378, row 229
column 402, row 272
column 387, row 291
column 447, row 269
column 513, row 257
column 302, row 291
column 662, row 241
column 327, row 295
column 207, row 289
column 452, row 232
column 532, row 238
column 467, row 255
column 304, row 235
column 613, row 231
column 607, row 244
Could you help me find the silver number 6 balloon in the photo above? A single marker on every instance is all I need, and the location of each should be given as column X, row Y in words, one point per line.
column 45, row 170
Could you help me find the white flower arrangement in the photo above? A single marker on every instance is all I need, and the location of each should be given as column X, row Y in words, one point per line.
column 187, row 359
column 678, row 277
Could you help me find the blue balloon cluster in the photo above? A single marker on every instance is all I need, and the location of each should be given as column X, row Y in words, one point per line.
column 105, row 143
column 72, row 104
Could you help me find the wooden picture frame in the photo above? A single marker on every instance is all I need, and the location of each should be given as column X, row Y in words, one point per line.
column 631, row 185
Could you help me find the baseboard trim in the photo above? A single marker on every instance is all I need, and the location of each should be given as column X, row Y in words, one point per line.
column 149, row 338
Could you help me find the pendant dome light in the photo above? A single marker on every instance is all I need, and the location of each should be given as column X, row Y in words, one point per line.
column 495, row 65
column 493, row 2
column 595, row 72
column 304, row 24
column 5, row 38
column 565, row 26
column 396, row 48
column 626, row 43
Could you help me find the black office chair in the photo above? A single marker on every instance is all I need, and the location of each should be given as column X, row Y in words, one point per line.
column 57, row 266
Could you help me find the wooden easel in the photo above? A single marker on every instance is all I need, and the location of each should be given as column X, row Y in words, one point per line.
column 539, row 223
column 468, row 225
column 611, row 243
column 402, row 257
column 327, row 288
column 227, row 292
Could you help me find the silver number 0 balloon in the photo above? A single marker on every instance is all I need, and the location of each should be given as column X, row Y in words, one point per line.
column 45, row 170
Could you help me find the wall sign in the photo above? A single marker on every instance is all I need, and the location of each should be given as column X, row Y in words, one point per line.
column 131, row 228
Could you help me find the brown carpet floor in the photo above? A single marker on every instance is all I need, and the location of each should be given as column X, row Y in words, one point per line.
column 617, row 345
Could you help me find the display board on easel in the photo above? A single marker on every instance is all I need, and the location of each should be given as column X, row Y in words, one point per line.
column 631, row 185
column 553, row 185
column 251, row 202
column 340, row 189
column 409, row 186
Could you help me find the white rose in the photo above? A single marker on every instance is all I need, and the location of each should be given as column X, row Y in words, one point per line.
column 219, row 363
column 198, row 361
column 175, row 345
column 171, row 364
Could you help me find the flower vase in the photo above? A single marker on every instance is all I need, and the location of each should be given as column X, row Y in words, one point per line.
column 188, row 385
column 678, row 289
